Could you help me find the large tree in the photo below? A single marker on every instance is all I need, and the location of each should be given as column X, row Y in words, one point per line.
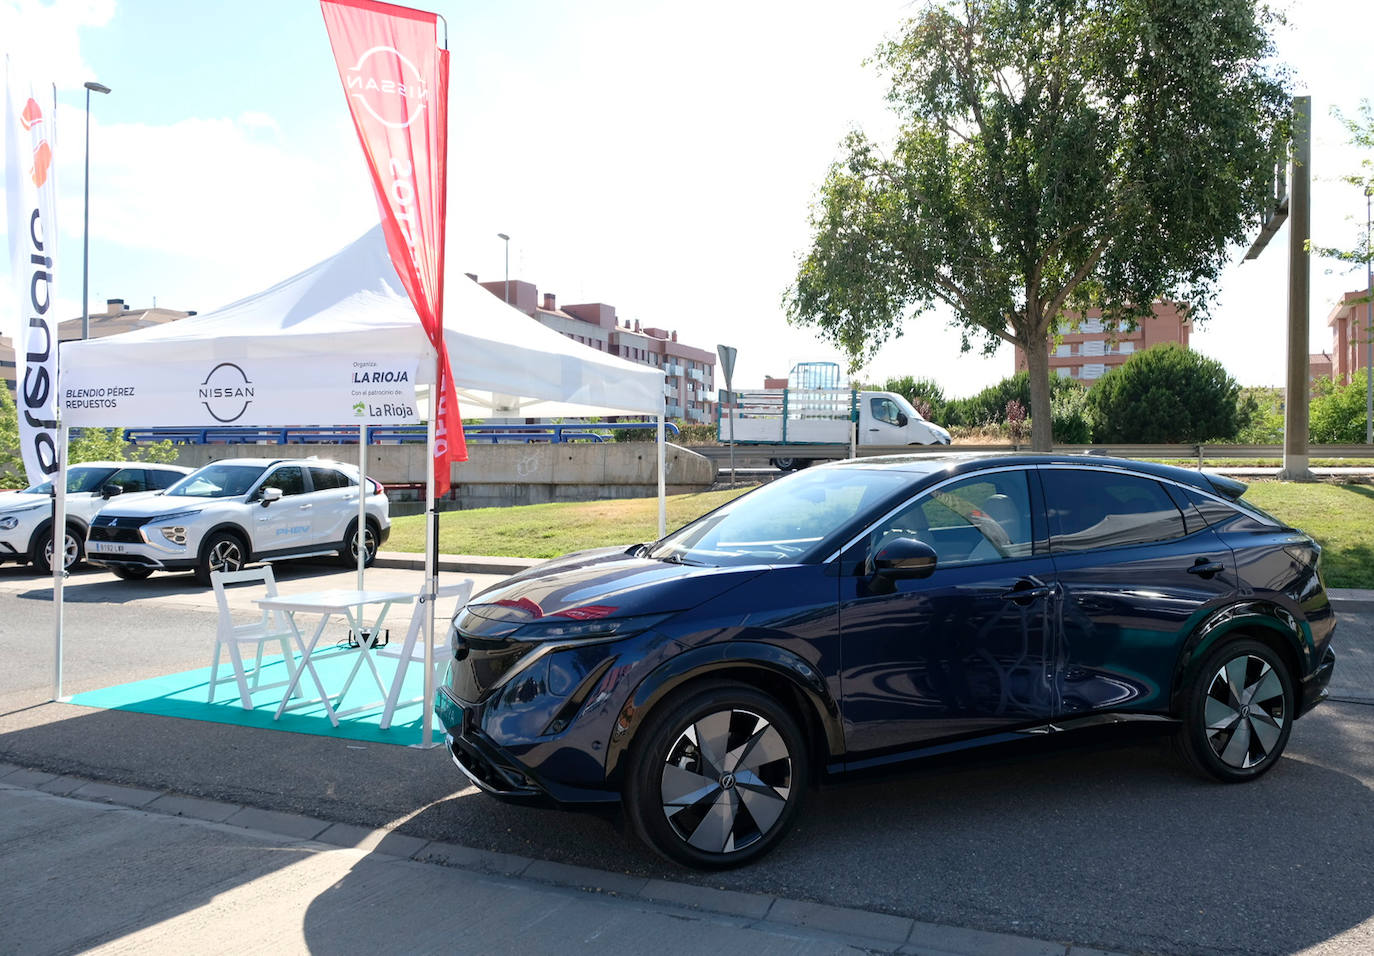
column 1052, row 155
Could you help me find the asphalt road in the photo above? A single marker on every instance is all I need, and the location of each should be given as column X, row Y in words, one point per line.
column 1113, row 846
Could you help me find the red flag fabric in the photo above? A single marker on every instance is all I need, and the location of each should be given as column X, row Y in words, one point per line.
column 396, row 79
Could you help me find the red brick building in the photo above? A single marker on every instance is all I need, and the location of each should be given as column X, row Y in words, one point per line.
column 690, row 372
column 1087, row 352
column 1349, row 322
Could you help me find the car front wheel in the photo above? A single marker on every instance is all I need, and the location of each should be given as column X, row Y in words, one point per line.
column 1238, row 712
column 73, row 550
column 718, row 777
column 223, row 552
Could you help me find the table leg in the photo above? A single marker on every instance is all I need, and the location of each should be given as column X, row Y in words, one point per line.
column 304, row 665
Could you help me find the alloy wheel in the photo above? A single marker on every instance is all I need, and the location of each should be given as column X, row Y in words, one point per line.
column 726, row 781
column 369, row 542
column 1245, row 712
column 225, row 555
column 70, row 552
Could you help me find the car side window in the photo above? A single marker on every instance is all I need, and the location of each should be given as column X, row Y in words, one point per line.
column 130, row 479
column 289, row 478
column 160, row 480
column 1091, row 509
column 972, row 520
column 884, row 410
column 326, row 478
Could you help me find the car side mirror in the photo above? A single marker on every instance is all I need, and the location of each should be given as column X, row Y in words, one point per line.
column 110, row 490
column 902, row 419
column 269, row 495
column 904, row 559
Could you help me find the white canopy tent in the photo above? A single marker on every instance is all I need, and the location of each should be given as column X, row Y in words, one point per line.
column 293, row 354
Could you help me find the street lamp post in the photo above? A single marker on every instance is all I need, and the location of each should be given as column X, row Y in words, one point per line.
column 1368, row 327
column 86, row 217
column 502, row 235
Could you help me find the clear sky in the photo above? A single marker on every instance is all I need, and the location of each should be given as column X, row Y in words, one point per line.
column 661, row 157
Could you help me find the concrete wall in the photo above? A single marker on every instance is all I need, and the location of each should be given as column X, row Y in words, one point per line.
column 503, row 475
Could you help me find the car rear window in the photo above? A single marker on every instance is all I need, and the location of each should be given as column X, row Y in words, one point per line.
column 1090, row 509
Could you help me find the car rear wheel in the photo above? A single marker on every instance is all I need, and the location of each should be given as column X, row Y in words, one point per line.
column 349, row 555
column 718, row 776
column 131, row 573
column 74, row 550
column 1238, row 712
column 223, row 552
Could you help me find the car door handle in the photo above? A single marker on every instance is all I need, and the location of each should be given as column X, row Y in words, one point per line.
column 1028, row 594
column 1206, row 568
column 305, row 507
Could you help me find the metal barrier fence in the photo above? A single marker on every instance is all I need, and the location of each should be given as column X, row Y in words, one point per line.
column 387, row 434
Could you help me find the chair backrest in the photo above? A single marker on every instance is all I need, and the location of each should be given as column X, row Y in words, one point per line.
column 454, row 596
column 260, row 575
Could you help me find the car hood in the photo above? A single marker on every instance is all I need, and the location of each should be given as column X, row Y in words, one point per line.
column 604, row 583
column 161, row 505
column 21, row 500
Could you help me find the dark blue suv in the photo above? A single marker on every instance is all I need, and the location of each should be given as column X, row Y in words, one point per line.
column 867, row 613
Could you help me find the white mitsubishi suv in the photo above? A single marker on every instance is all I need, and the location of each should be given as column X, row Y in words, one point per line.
column 26, row 516
column 241, row 510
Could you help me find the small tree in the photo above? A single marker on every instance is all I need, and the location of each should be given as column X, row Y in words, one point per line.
column 108, row 444
column 11, row 463
column 1166, row 394
column 924, row 394
column 1338, row 412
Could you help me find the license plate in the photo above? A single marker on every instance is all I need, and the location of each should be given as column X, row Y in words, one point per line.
column 105, row 547
column 449, row 712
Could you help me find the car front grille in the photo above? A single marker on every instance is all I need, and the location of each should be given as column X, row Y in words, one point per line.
column 113, row 533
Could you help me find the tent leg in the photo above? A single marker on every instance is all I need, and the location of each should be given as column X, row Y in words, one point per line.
column 431, row 565
column 362, row 502
column 662, row 491
column 59, row 553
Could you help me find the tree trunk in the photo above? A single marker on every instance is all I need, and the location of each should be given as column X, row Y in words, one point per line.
column 1038, row 369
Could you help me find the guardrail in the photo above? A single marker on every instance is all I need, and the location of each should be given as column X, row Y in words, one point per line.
column 385, row 434
column 1191, row 452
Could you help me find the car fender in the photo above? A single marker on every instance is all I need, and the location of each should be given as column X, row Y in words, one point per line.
column 44, row 529
column 1250, row 617
column 234, row 529
column 734, row 657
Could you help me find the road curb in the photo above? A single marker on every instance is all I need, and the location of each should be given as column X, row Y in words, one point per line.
column 874, row 932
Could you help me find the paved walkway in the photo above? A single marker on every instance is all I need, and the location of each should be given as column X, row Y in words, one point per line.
column 89, row 867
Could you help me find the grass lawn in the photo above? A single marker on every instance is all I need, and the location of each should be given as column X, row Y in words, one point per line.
column 1339, row 516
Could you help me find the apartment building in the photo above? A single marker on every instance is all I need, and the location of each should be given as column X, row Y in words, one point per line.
column 116, row 318
column 690, row 372
column 1350, row 323
column 1089, row 351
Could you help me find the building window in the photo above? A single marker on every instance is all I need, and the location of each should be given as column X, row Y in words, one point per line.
column 1064, row 371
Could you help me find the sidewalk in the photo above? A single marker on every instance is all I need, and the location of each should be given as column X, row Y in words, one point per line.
column 117, row 869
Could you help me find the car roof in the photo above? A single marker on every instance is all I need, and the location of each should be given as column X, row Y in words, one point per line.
column 129, row 464
column 954, row 463
column 265, row 462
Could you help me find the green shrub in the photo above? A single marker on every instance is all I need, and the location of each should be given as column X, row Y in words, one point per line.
column 1337, row 415
column 1166, row 394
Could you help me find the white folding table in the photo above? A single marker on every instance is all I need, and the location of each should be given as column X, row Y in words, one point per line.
column 349, row 604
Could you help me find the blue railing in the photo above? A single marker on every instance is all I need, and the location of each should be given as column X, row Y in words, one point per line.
column 385, row 434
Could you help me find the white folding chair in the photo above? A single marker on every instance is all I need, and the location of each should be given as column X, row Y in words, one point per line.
column 271, row 627
column 413, row 648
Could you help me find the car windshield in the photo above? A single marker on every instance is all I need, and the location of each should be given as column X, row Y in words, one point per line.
column 786, row 521
column 217, row 481
column 78, row 479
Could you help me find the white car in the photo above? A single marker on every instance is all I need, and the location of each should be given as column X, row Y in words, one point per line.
column 26, row 516
column 241, row 510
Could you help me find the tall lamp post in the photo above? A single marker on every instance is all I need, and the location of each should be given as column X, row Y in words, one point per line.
column 1368, row 327
column 86, row 218
column 502, row 235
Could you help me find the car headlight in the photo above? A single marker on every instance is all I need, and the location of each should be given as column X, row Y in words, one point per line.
column 9, row 523
column 175, row 534
column 563, row 632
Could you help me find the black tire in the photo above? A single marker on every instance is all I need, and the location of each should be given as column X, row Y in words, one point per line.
column 41, row 553
column 222, row 552
column 131, row 572
column 348, row 554
column 692, row 802
column 1237, row 712
column 790, row 464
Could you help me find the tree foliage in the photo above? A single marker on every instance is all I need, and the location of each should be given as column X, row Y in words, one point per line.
column 11, row 463
column 1166, row 394
column 1360, row 130
column 1052, row 155
column 1337, row 414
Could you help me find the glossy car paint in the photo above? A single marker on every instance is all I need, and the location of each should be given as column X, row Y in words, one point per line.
column 877, row 673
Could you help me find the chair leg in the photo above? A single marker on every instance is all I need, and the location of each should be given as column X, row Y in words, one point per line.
column 288, row 657
column 214, row 673
column 242, row 679
column 394, row 694
column 257, row 666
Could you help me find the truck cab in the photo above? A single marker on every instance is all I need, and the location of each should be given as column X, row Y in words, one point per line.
column 886, row 418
